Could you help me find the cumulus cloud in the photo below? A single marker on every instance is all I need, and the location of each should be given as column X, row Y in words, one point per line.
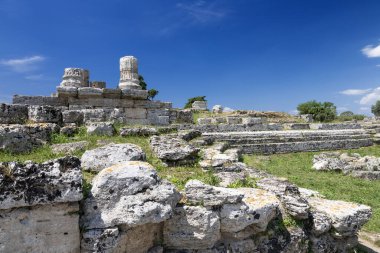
column 371, row 51
column 353, row 92
column 371, row 97
column 25, row 64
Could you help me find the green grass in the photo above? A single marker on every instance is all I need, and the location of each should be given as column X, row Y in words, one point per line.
column 177, row 175
column 297, row 168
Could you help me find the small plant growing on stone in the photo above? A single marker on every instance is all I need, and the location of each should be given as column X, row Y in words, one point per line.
column 248, row 182
column 152, row 93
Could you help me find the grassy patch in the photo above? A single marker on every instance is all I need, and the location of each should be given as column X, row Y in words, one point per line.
column 177, row 175
column 247, row 182
column 297, row 167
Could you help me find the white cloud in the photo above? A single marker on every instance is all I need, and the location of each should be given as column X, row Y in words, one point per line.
column 371, row 97
column 378, row 65
column 25, row 64
column 35, row 77
column 294, row 112
column 365, row 108
column 202, row 12
column 371, row 51
column 353, row 92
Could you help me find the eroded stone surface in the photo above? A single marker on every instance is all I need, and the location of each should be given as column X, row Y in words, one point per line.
column 347, row 218
column 192, row 227
column 257, row 209
column 100, row 128
column 69, row 148
column 29, row 184
column 129, row 194
column 138, row 131
column 289, row 195
column 111, row 154
column 173, row 150
column 198, row 193
column 41, row 228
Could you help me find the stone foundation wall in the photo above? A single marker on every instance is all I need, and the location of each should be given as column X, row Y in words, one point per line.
column 128, row 107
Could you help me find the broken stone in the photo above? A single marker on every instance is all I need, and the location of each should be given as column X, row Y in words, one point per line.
column 103, row 157
column 69, row 148
column 100, row 128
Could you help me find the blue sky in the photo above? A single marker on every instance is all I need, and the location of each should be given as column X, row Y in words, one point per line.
column 244, row 54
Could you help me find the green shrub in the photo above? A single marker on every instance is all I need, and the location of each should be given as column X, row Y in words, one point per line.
column 375, row 109
column 348, row 116
column 190, row 101
column 152, row 93
column 142, row 82
column 323, row 112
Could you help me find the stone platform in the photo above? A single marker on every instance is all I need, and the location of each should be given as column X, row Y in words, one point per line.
column 272, row 142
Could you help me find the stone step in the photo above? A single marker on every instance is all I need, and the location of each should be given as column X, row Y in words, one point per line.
column 252, row 140
column 271, row 142
column 305, row 146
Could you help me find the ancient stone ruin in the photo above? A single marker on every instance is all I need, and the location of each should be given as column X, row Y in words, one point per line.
column 128, row 206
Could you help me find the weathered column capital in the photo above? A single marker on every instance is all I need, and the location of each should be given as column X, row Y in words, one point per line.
column 129, row 77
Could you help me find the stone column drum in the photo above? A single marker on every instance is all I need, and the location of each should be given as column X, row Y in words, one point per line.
column 75, row 77
column 129, row 77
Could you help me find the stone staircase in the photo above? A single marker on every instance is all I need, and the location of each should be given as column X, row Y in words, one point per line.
column 272, row 142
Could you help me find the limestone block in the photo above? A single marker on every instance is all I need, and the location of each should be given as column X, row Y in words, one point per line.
column 98, row 84
column 69, row 130
column 44, row 114
column 289, row 195
column 308, row 118
column 24, row 138
column 63, row 91
column 40, row 100
column 103, row 157
column 234, row 120
column 111, row 93
column 172, row 150
column 347, row 218
column 252, row 120
column 102, row 102
column 73, row 116
column 100, row 128
column 69, row 148
column 198, row 193
column 138, row 131
column 199, row 105
column 204, row 121
column 96, row 115
column 148, row 104
column 29, row 184
column 134, row 94
column 192, row 227
column 296, row 126
column 135, row 113
column 256, row 210
column 41, row 228
column 122, row 239
column 131, row 194
column 13, row 114
column 89, row 92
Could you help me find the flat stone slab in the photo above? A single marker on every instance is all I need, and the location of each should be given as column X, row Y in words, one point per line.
column 103, row 157
column 30, row 184
column 69, row 148
column 346, row 217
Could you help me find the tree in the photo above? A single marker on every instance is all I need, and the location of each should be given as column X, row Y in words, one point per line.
column 142, row 82
column 375, row 109
column 347, row 114
column 323, row 112
column 152, row 93
column 190, row 101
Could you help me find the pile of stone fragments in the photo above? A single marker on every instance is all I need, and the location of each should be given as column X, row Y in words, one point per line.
column 367, row 167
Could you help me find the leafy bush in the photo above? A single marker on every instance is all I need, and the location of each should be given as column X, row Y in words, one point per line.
column 375, row 109
column 190, row 101
column 348, row 116
column 142, row 82
column 152, row 93
column 323, row 112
